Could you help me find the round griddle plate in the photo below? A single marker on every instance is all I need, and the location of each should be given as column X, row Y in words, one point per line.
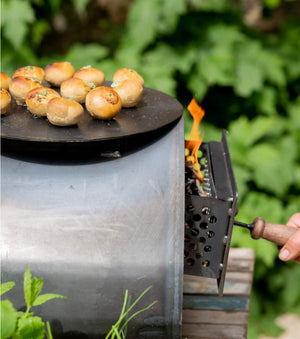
column 155, row 111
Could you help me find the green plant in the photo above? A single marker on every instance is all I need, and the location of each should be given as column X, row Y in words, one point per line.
column 119, row 329
column 25, row 325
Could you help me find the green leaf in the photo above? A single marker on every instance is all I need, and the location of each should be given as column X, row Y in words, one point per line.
column 31, row 328
column 249, row 68
column 273, row 68
column 198, row 86
column 8, row 319
column 41, row 299
column 267, row 100
column 243, row 134
column 27, row 286
column 39, row 30
column 80, row 5
column 269, row 168
column 242, row 177
column 209, row 5
column 216, row 66
column 36, row 287
column 154, row 74
column 141, row 27
column 272, row 3
column 16, row 16
column 294, row 114
column 291, row 292
column 5, row 287
column 83, row 55
column 215, row 60
column 170, row 14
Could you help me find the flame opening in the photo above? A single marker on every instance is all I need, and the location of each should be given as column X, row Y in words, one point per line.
column 195, row 138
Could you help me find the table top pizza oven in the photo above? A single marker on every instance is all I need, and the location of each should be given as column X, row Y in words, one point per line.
column 94, row 210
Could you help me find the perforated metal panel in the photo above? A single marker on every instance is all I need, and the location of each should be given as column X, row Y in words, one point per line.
column 209, row 211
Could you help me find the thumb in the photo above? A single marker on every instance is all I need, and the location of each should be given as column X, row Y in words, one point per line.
column 291, row 250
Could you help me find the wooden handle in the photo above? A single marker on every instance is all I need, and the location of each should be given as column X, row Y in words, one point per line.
column 278, row 234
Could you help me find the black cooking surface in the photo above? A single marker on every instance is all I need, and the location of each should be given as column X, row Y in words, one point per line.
column 155, row 111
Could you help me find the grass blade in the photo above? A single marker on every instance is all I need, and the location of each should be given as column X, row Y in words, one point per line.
column 136, row 313
column 49, row 333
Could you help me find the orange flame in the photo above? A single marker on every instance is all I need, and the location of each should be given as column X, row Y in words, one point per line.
column 195, row 139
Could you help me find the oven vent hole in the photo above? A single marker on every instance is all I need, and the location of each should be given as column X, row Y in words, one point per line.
column 202, row 240
column 205, row 263
column 192, row 246
column 187, row 238
column 188, row 224
column 207, row 248
column 213, row 219
column 194, row 232
column 199, row 255
column 190, row 262
column 204, row 225
column 196, row 217
column 210, row 234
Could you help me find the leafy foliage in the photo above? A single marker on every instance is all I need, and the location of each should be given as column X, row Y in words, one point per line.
column 246, row 80
column 25, row 325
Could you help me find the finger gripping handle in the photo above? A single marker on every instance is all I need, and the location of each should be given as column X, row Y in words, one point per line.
column 276, row 233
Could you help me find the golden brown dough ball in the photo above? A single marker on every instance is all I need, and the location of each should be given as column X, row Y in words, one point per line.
column 92, row 76
column 4, row 80
column 20, row 86
column 5, row 100
column 130, row 92
column 64, row 112
column 37, row 100
column 74, row 89
column 35, row 72
column 127, row 74
column 103, row 103
column 57, row 72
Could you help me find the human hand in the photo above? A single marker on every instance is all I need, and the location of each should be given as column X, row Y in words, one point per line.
column 291, row 250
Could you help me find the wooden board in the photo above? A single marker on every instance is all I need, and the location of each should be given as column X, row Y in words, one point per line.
column 205, row 314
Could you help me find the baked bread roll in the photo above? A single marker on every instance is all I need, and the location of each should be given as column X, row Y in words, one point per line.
column 103, row 103
column 92, row 76
column 74, row 89
column 20, row 86
column 5, row 100
column 37, row 100
column 4, row 80
column 127, row 74
column 57, row 72
column 130, row 92
column 35, row 72
column 64, row 112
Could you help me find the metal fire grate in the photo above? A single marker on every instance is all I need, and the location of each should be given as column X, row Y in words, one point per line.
column 210, row 208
